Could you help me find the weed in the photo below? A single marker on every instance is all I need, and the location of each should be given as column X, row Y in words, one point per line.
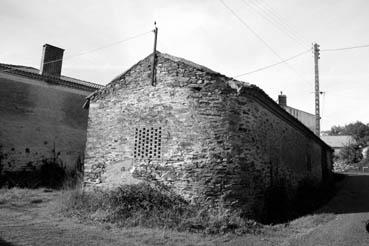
column 146, row 206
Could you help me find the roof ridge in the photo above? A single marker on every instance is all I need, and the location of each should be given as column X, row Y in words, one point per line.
column 72, row 82
column 188, row 62
column 237, row 85
column 14, row 65
column 299, row 110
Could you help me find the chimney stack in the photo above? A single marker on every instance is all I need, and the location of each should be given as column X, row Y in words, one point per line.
column 51, row 61
column 282, row 100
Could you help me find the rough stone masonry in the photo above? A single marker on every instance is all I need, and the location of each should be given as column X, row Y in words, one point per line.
column 205, row 136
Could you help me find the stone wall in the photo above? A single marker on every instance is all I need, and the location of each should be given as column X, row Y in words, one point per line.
column 267, row 151
column 40, row 122
column 220, row 140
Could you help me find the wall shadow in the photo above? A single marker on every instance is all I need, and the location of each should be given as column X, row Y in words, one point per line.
column 282, row 206
column 49, row 175
column 351, row 195
column 5, row 243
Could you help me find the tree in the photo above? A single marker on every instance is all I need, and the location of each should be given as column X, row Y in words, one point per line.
column 336, row 131
column 350, row 154
column 358, row 130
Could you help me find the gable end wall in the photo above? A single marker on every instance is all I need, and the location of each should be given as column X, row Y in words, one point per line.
column 219, row 144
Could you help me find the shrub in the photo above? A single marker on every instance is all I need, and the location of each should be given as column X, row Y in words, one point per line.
column 350, row 154
column 144, row 205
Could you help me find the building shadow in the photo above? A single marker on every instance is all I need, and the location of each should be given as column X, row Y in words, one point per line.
column 346, row 193
column 351, row 195
column 5, row 243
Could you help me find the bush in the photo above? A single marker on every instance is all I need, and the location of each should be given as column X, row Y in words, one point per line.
column 144, row 205
column 350, row 154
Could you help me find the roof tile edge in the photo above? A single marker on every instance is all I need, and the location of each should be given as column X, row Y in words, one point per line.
column 82, row 85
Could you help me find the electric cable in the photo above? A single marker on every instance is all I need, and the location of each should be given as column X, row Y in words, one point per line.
column 265, row 15
column 90, row 51
column 347, row 48
column 279, row 18
column 261, row 39
column 274, row 64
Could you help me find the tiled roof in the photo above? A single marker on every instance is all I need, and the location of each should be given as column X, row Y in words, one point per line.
column 338, row 141
column 33, row 73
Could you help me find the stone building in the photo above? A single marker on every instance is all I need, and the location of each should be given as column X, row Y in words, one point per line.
column 41, row 115
column 304, row 117
column 205, row 136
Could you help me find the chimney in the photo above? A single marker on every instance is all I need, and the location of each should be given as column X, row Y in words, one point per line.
column 51, row 61
column 282, row 100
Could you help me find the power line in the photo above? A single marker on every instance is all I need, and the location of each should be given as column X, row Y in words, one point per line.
column 279, row 18
column 347, row 48
column 111, row 44
column 260, row 38
column 295, row 56
column 249, row 28
column 265, row 15
column 274, row 64
column 92, row 50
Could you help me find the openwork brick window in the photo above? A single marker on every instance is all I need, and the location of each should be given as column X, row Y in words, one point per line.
column 147, row 143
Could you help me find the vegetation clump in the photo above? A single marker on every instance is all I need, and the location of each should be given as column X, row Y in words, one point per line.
column 350, row 157
column 147, row 206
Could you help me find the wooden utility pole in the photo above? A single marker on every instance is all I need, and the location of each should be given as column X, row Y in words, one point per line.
column 317, row 92
column 153, row 70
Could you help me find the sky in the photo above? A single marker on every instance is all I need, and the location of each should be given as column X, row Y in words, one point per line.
column 104, row 38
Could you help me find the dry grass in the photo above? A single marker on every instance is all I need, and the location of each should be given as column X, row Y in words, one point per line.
column 104, row 226
column 14, row 195
column 21, row 197
column 144, row 206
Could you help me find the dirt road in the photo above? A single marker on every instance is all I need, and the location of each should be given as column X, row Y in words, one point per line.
column 351, row 205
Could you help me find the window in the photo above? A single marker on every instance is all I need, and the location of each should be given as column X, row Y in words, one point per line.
column 147, row 143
